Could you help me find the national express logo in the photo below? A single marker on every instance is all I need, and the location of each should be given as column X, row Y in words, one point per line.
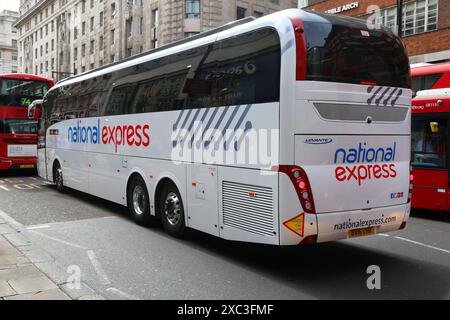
column 363, row 163
column 120, row 135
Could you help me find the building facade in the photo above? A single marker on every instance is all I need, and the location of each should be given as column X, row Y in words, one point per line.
column 425, row 27
column 8, row 42
column 58, row 38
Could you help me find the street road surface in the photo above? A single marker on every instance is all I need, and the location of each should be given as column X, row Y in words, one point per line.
column 77, row 234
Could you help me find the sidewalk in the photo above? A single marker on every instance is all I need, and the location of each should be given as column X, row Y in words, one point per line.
column 20, row 279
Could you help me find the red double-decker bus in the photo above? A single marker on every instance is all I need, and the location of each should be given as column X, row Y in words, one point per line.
column 431, row 150
column 18, row 131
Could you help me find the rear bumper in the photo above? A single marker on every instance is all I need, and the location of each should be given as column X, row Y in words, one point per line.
column 17, row 163
column 335, row 226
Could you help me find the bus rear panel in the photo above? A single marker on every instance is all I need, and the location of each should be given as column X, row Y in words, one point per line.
column 351, row 133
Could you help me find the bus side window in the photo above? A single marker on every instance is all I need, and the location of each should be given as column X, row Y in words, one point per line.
column 119, row 100
column 240, row 70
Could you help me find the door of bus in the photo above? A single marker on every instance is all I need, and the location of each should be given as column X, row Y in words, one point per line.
column 429, row 147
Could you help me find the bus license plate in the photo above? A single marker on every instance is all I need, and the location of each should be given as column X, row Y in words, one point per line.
column 362, row 232
column 27, row 166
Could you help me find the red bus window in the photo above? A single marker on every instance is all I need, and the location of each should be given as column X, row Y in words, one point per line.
column 429, row 143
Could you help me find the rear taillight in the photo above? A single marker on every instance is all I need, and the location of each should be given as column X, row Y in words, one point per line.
column 301, row 185
column 411, row 179
column 300, row 45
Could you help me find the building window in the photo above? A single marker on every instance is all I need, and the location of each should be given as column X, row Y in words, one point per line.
column 418, row 17
column 113, row 10
column 190, row 34
column 75, row 54
column 101, row 43
column 92, row 47
column 155, row 23
column 303, row 4
column 192, row 9
column 240, row 13
column 113, row 36
column 257, row 14
column 92, row 24
column 129, row 27
column 83, row 50
column 83, row 28
column 101, row 18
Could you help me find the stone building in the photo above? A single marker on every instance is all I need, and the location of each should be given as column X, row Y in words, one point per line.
column 8, row 42
column 58, row 38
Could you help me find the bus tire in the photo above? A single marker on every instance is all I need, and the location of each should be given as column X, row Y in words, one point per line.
column 59, row 178
column 138, row 202
column 172, row 211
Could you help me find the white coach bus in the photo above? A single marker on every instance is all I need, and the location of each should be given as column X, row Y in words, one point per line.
column 289, row 129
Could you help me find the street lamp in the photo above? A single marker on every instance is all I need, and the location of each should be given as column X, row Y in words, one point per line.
column 399, row 17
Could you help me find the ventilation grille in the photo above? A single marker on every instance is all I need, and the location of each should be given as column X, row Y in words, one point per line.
column 248, row 208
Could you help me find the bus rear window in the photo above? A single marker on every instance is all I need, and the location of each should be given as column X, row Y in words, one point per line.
column 349, row 54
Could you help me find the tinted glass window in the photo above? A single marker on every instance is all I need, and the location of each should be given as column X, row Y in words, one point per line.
column 119, row 100
column 424, row 82
column 429, row 142
column 18, row 126
column 21, row 93
column 343, row 53
column 240, row 70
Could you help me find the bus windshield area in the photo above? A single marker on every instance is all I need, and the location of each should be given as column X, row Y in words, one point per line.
column 18, row 126
column 349, row 54
column 21, row 93
column 429, row 143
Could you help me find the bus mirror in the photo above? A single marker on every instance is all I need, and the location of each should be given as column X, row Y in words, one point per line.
column 34, row 110
column 31, row 111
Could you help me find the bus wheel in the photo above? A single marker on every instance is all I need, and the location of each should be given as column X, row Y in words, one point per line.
column 59, row 180
column 172, row 212
column 138, row 202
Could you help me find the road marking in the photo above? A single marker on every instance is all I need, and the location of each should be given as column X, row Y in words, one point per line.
column 98, row 267
column 414, row 242
column 59, row 240
column 41, row 226
column 9, row 219
column 4, row 188
column 122, row 294
column 423, row 244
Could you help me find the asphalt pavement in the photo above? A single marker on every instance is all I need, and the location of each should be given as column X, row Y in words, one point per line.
column 79, row 234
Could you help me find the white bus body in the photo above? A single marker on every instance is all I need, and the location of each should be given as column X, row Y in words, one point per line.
column 352, row 140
